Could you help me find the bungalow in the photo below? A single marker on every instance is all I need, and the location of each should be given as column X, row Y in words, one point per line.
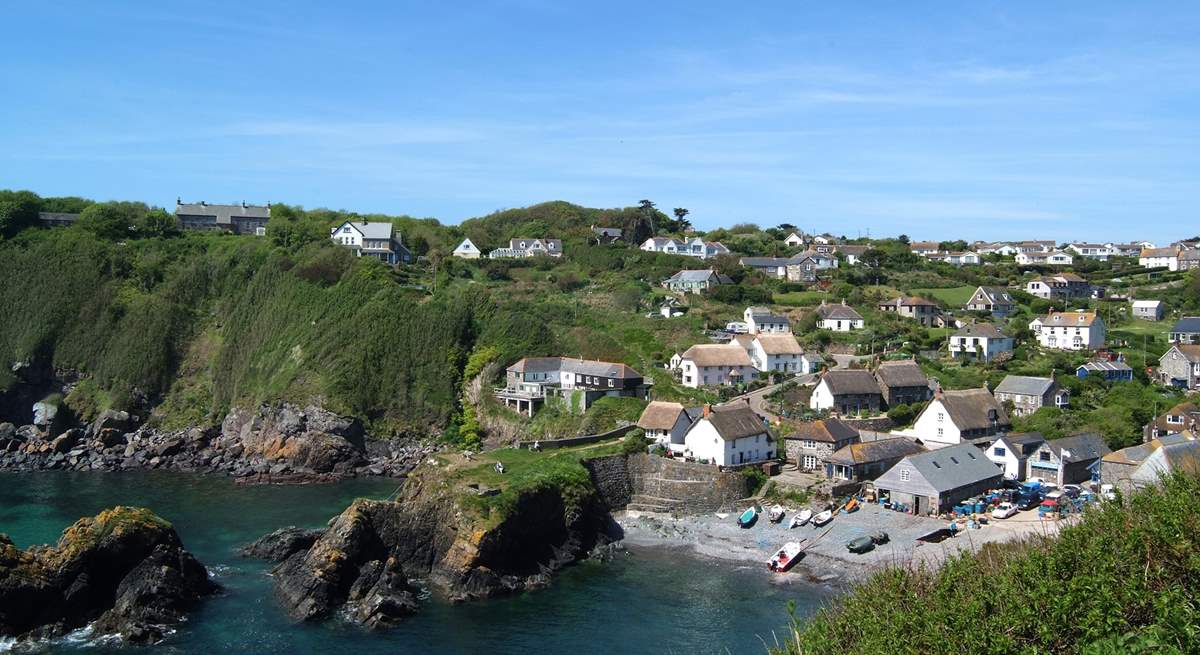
column 1167, row 258
column 1011, row 452
column 1185, row 331
column 777, row 353
column 1069, row 460
column 694, row 247
column 1034, row 246
column 1097, row 251
column 1026, row 394
column 902, row 382
column 864, row 461
column 925, row 312
column 934, row 482
column 761, row 320
column 1143, row 465
column 953, row 417
column 664, row 245
column 1180, row 367
column 925, row 247
column 810, row 443
column 520, row 248
column 955, row 258
column 1111, row 371
column 853, row 254
column 713, row 364
column 1129, row 249
column 775, row 267
column 729, row 437
column 604, row 235
column 1053, row 258
column 667, row 423
column 997, row 248
column 372, row 239
column 1069, row 330
column 467, row 250
column 847, row 392
column 578, row 382
column 1148, row 310
column 979, row 341
column 1067, row 286
column 996, row 300
column 695, row 281
column 839, row 318
column 238, row 219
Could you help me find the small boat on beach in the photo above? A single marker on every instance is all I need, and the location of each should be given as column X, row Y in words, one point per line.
column 748, row 517
column 776, row 513
column 822, row 518
column 800, row 518
column 860, row 545
column 851, row 506
column 785, row 557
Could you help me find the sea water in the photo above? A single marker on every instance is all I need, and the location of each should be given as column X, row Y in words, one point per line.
column 648, row 600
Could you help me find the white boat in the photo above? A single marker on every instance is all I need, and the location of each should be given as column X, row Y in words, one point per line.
column 776, row 514
column 800, row 518
column 823, row 518
column 785, row 557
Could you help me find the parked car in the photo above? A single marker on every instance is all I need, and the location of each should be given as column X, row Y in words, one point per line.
column 1108, row 492
column 1028, row 502
column 1054, row 495
column 1072, row 490
column 1004, row 510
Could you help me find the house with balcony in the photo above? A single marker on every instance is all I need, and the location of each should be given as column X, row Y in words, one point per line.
column 577, row 383
column 838, row 317
column 1027, row 394
column 694, row 247
column 1051, row 258
column 924, row 311
column 1066, row 286
column 955, row 258
column 1180, row 367
column 979, row 342
column 524, row 247
column 1097, row 251
column 1069, row 460
column 995, row 300
column 375, row 239
column 1069, row 330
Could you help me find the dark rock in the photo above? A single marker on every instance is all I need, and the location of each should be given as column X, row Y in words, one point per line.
column 124, row 569
column 8, row 431
column 281, row 544
column 29, row 433
column 65, row 441
column 169, row 448
column 111, row 438
column 111, row 419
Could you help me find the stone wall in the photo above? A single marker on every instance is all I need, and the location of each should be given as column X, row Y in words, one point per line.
column 610, row 475
column 691, row 487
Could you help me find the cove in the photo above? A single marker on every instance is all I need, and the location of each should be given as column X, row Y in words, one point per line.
column 648, row 600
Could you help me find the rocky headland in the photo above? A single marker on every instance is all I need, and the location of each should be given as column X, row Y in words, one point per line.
column 123, row 572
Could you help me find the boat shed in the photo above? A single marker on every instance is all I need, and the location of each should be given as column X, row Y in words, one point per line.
column 935, row 481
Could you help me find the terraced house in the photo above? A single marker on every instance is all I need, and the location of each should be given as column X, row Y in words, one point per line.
column 1067, row 286
column 810, row 443
column 520, row 248
column 902, row 383
column 238, row 219
column 711, row 364
column 577, row 382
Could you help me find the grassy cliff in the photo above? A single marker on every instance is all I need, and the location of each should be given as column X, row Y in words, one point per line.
column 1126, row 579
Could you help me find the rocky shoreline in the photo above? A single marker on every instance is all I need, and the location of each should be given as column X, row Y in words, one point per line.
column 273, row 444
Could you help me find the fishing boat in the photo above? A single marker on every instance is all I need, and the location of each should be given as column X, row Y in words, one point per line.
column 748, row 517
column 800, row 518
column 823, row 518
column 776, row 513
column 785, row 557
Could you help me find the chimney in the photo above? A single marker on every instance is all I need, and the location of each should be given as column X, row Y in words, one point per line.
column 707, row 410
column 178, row 200
column 243, row 204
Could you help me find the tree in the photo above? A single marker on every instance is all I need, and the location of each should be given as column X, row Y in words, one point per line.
column 903, row 238
column 292, row 228
column 108, row 220
column 156, row 223
column 648, row 211
column 16, row 215
column 873, row 257
column 681, row 223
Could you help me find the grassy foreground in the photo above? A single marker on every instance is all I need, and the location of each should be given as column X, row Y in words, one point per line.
column 1126, row 579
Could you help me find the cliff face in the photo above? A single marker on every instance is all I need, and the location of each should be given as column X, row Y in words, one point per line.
column 125, row 569
column 367, row 558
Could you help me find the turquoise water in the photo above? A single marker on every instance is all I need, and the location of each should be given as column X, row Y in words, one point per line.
column 647, row 601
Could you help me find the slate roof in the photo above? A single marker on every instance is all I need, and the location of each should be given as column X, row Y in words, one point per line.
column 736, row 423
column 851, row 381
column 1148, row 304
column 572, row 365
column 946, row 469
column 1024, row 385
column 1138, row 453
column 910, row 301
column 780, row 344
column 1082, row 447
column 698, row 276
column 1187, row 324
column 369, row 230
column 1026, row 441
column 838, row 312
column 904, row 373
column 718, row 354
column 969, row 408
column 980, row 330
column 995, row 295
column 830, row 430
column 874, row 451
column 224, row 214
column 763, row 262
column 551, row 245
column 857, row 251
column 1104, row 365
column 614, row 232
column 659, row 415
column 1169, row 458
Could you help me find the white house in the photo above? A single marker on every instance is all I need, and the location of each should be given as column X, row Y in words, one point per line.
column 694, row 247
column 1053, row 258
column 467, row 250
column 1069, row 330
column 729, row 437
column 967, row 258
column 1011, row 452
column 519, row 248
column 811, row 362
column 839, row 318
column 925, row 247
column 1167, row 258
column 777, row 352
column 848, row 392
column 998, row 248
column 761, row 320
column 979, row 341
column 953, row 417
column 666, row 423
column 794, row 240
column 712, row 364
column 372, row 239
column 1098, row 251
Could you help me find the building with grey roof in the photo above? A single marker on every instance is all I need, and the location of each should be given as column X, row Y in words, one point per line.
column 578, row 383
column 934, row 482
column 847, row 392
column 57, row 219
column 995, row 300
column 1069, row 460
column 695, row 281
column 374, row 239
column 1185, row 331
column 239, row 219
column 860, row 462
column 1026, row 394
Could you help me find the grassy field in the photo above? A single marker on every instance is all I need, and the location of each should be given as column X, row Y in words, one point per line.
column 953, row 296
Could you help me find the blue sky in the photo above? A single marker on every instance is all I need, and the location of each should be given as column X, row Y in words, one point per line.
column 990, row 120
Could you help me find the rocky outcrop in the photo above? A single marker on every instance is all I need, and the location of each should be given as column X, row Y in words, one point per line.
column 368, row 558
column 125, row 570
column 281, row 544
column 273, row 444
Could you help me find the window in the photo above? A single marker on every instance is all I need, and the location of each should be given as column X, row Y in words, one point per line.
column 610, row 383
column 1044, row 456
column 1171, row 418
column 808, row 444
column 810, row 462
column 999, row 452
column 904, row 475
column 941, row 416
column 941, row 432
